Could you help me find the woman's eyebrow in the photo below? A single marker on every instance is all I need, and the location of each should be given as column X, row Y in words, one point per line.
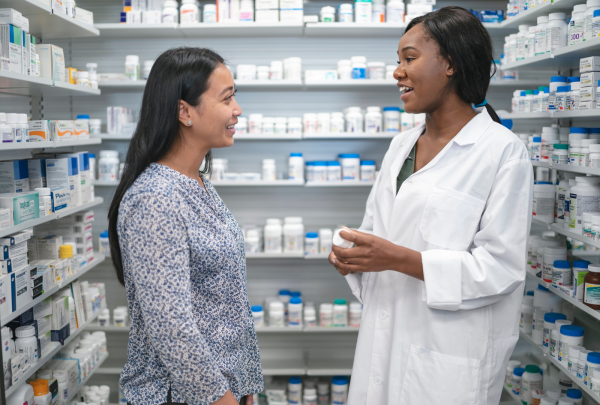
column 409, row 47
column 228, row 89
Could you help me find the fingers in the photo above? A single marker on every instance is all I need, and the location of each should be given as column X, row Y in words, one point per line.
column 249, row 400
column 345, row 268
column 349, row 254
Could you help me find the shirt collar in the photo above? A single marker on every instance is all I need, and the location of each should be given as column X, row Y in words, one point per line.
column 471, row 132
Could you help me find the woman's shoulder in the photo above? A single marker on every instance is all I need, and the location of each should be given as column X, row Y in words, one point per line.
column 503, row 143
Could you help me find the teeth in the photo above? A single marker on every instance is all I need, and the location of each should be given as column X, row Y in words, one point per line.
column 231, row 127
column 405, row 88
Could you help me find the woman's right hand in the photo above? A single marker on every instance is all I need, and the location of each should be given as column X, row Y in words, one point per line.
column 227, row 399
column 333, row 259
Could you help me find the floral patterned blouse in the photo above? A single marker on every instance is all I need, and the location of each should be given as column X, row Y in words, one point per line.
column 185, row 277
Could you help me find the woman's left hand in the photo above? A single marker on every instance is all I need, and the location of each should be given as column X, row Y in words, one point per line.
column 372, row 253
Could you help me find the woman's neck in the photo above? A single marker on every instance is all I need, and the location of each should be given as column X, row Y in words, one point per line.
column 186, row 159
column 447, row 121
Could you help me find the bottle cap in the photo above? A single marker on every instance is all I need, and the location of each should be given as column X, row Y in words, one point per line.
column 66, row 251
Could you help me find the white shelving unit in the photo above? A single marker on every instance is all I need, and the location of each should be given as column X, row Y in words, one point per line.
column 530, row 16
column 566, row 57
column 87, row 377
column 282, row 137
column 260, row 330
column 555, row 115
column 23, row 85
column 47, row 145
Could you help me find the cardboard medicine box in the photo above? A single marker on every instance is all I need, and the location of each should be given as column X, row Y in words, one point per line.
column 11, row 48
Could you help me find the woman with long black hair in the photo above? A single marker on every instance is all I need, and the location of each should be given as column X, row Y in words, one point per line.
column 177, row 248
column 440, row 262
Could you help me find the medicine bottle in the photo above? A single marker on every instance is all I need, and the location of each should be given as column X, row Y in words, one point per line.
column 6, row 132
column 549, row 319
column 595, row 226
column 592, row 362
column 24, row 395
column 552, row 254
column 543, row 301
column 325, row 240
column 376, row 71
column 363, row 11
column 269, row 170
column 536, row 148
column 132, row 64
column 522, row 41
column 516, row 380
column 574, row 149
column 255, row 124
column 104, row 318
column 320, row 171
column 570, row 335
column 531, row 381
column 326, row 315
column 580, row 366
column 561, row 273
column 276, row 314
column 378, row 11
column 311, row 244
column 543, row 202
column 337, row 122
column 247, row 14
column 273, row 236
column 345, row 13
column 391, row 119
column 295, row 312
column 344, row 69
column 310, row 123
column 323, row 123
column 26, row 342
column 556, row 32
column 560, row 156
column 310, row 317
column 359, row 65
column 395, row 11
column 561, row 98
column 526, row 321
column 310, row 396
column 322, row 391
column 169, row 12
column 367, row 170
column 263, row 72
column 327, row 14
column 574, row 95
column 293, row 234
column 258, row 315
column 340, row 312
column 592, row 5
column 555, row 336
column 83, row 79
column 294, row 390
column 190, row 12
column 339, row 390
column 586, row 189
column 268, row 125
column 530, row 42
column 591, row 288
column 292, row 68
column 580, row 270
column 45, row 201
column 41, row 392
column 373, row 122
column 577, row 24
column 24, row 127
column 295, row 126
column 12, row 120
column 120, row 317
column 108, row 165
column 296, row 166
column 594, row 159
column 334, row 171
column 241, row 127
column 350, row 163
column 280, row 125
column 354, row 120
column 355, row 314
column 209, row 14
column 512, row 364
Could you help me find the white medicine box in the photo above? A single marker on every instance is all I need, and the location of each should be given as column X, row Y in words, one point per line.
column 14, row 177
column 589, row 64
column 52, row 62
column 589, row 79
column 5, row 295
column 11, row 39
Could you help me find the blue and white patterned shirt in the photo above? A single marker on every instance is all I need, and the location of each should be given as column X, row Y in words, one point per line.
column 185, row 277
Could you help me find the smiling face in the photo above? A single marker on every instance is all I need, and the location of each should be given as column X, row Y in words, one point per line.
column 422, row 72
column 213, row 121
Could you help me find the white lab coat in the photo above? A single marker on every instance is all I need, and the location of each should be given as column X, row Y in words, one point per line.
column 446, row 340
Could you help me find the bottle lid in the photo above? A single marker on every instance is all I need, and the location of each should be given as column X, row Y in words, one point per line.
column 256, row 308
column 574, row 393
column 558, row 79
column 552, row 317
column 528, row 92
column 391, row 109
column 284, row 292
column 339, row 380
column 40, row 387
column 312, row 235
column 562, row 264
column 367, row 163
column 340, row 301
column 594, row 268
column 295, row 300
column 593, row 357
column 562, row 89
column 578, row 130
column 519, row 371
column 349, row 156
column 537, row 139
column 83, row 117
column 542, row 288
column 581, row 264
column 25, row 331
column 104, row 234
column 66, row 251
column 561, row 146
column 571, row 330
column 333, row 163
column 295, row 154
column 532, row 368
column 295, row 294
column 295, row 380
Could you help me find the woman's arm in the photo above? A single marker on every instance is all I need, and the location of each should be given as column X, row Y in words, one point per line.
column 454, row 280
column 155, row 249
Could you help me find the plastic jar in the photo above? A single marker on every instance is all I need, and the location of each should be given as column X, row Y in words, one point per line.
column 570, row 335
column 273, row 236
column 26, row 342
column 512, row 364
column 339, row 390
column 376, row 70
column 587, row 223
column 169, row 12
column 574, row 94
column 592, row 362
column 540, row 35
column 340, row 312
column 595, row 227
column 83, row 79
column 594, row 160
column 280, row 125
column 247, row 12
column 241, row 127
column 536, row 148
column 323, row 123
column 310, row 396
column 325, row 240
column 389, row 72
column 292, row 68
column 334, row 171
column 319, row 171
column 345, row 13
column 108, row 165
column 263, row 72
column 295, row 312
column 190, row 12
column 295, row 126
column 522, row 42
column 594, row 386
column 592, row 5
column 591, row 288
column 326, row 315
column 395, row 11
column 310, row 171
column 555, row 337
column 322, row 390
column 580, row 270
column 268, row 125
column 561, row 273
column 293, row 234
column 373, row 120
column 536, row 396
column 587, row 191
column 549, row 319
column 252, row 241
column 391, row 119
column 276, row 314
column 269, row 170
column 516, row 380
column 327, row 14
column 582, row 362
column 543, row 301
column 311, row 244
column 560, row 155
column 337, row 122
column 359, row 67
column 310, row 123
column 276, row 70
column 345, row 69
column 577, row 395
column 574, row 150
column 584, row 152
column 294, row 390
column 556, row 33
column 555, row 83
column 24, row 395
column 560, row 103
column 41, row 392
column 46, row 207
column 95, row 126
column 132, row 65
column 350, row 163
column 310, row 317
column 532, row 380
column 209, row 14
column 526, row 321
column 367, row 170
column 255, row 123
column 355, row 314
column 576, row 25
column 296, row 166
column 543, row 202
column 354, row 120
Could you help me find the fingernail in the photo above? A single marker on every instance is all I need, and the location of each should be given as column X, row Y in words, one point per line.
column 332, row 261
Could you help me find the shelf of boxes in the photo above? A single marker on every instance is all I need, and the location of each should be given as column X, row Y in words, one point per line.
column 62, row 89
column 530, row 16
column 56, row 347
column 87, row 377
column 328, row 367
column 350, row 135
column 98, row 258
column 576, row 303
column 594, row 171
column 48, row 218
column 586, row 389
column 46, row 25
column 288, row 255
column 21, row 84
column 594, row 113
column 567, row 57
column 47, row 145
column 120, row 31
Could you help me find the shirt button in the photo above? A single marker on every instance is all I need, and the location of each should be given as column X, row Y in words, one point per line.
column 383, row 314
column 377, row 380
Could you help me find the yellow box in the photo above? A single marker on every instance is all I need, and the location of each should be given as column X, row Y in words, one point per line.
column 72, row 75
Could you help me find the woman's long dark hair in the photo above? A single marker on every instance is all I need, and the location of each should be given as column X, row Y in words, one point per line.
column 467, row 45
column 178, row 74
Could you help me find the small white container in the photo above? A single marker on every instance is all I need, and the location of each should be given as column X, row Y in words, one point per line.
column 310, row 317
column 373, row 120
column 293, row 234
column 326, row 315
column 269, row 172
column 327, row 14
column 295, row 126
column 334, row 171
column 273, row 236
column 344, row 69
column 189, row 11
column 325, row 240
column 512, row 364
column 337, row 122
column 294, row 390
column 323, row 122
column 556, row 32
column 263, row 72
column 276, row 314
column 367, row 170
column 26, row 342
column 268, row 127
column 376, row 70
column 108, row 165
column 311, row 244
column 395, row 11
column 209, row 14
column 169, row 12
column 543, row 202
column 531, row 381
column 295, row 312
column 255, row 124
column 355, row 314
column 391, row 119
column 280, row 125
column 95, row 126
column 132, row 67
column 276, row 70
column 296, row 166
column 354, row 120
column 45, row 201
column 340, row 313
column 339, row 390
column 319, row 171
column 310, row 123
column 252, row 241
column 350, row 163
column 345, row 13
column 22, row 396
column 258, row 315
column 570, row 335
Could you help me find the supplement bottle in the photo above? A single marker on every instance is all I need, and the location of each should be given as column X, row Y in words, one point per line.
column 320, row 171
column 359, row 66
column 574, row 149
column 310, row 396
column 327, row 14
column 104, row 244
column 355, row 314
column 26, row 342
column 209, row 14
column 344, row 69
column 323, row 123
column 560, row 156
column 516, row 380
column 258, row 315
column 12, row 120
column 594, row 160
column 325, row 240
column 391, row 119
column 570, row 335
column 395, row 11
column 326, row 315
column 337, row 122
column 556, row 33
column 522, row 42
column 339, row 390
column 322, row 391
column 584, row 196
column 543, row 202
column 334, row 171
column 531, row 42
column 591, row 288
column 373, row 120
column 293, row 234
column 24, row 127
column 311, row 244
column 532, row 380
column 378, row 15
column 350, row 163
column 561, row 273
column 24, row 395
column 273, row 236
column 354, row 120
column 108, row 165
column 577, row 24
column 549, row 319
column 363, row 11
column 592, row 362
column 132, row 63
column 190, row 12
column 576, row 395
column 580, row 270
column 169, row 12
column 543, row 301
column 310, row 317
column 551, row 254
column 276, row 314
column 41, row 392
column 345, row 13
column 281, row 125
column 310, row 123
column 294, row 390
column 296, row 166
column 340, row 312
column 574, row 94
column 555, row 83
column 536, row 148
column 269, row 170
column 295, row 312
column 526, row 321
column 592, row 5
column 583, row 353
column 367, row 170
column 540, row 35
column 6, row 132
column 555, row 337
column 560, row 102
column 512, row 364
column 45, row 201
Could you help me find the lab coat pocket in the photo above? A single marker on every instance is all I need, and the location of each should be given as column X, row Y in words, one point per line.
column 433, row 378
column 450, row 218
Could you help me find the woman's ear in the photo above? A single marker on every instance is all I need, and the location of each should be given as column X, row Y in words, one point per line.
column 450, row 67
column 184, row 113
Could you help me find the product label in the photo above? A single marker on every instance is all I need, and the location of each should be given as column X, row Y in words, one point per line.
column 579, row 205
column 552, row 347
column 578, row 276
column 555, row 38
column 560, row 206
column 592, row 294
column 540, row 42
column 561, row 277
column 543, row 206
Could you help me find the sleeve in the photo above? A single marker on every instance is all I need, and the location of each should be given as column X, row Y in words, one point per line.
column 158, row 257
column 495, row 266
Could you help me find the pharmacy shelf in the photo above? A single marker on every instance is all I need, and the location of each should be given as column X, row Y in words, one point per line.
column 519, row 84
column 524, row 116
column 48, row 218
column 349, row 84
column 242, row 29
column 342, row 183
column 105, row 183
column 98, row 258
column 575, row 52
column 576, row 303
column 285, row 367
column 530, row 16
column 560, row 366
column 583, row 254
column 257, row 183
column 352, row 29
column 56, row 347
column 282, row 137
column 123, row 31
column 262, row 255
column 113, row 137
column 328, row 367
column 47, row 145
column 349, row 135
column 261, row 329
column 540, row 164
column 267, row 137
column 20, row 84
column 543, row 62
column 577, row 169
column 109, row 371
column 595, row 113
column 269, row 85
column 87, row 377
column 122, row 85
column 561, row 230
column 43, row 24
column 512, row 395
column 62, row 89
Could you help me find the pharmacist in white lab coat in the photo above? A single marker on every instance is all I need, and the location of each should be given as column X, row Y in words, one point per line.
column 440, row 266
